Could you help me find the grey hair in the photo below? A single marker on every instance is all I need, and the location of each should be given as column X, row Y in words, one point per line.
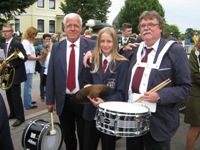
column 72, row 15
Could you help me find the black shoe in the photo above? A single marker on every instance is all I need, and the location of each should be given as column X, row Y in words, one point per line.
column 33, row 102
column 11, row 116
column 32, row 107
column 43, row 99
column 18, row 122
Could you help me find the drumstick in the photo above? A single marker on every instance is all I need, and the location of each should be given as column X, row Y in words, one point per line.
column 53, row 131
column 156, row 88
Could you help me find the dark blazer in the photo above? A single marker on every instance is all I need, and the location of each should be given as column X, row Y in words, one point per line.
column 57, row 72
column 18, row 63
column 165, row 121
column 116, row 80
column 5, row 137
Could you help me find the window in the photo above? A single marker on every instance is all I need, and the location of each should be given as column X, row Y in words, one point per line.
column 51, row 26
column 17, row 25
column 40, row 25
column 40, row 3
column 52, row 4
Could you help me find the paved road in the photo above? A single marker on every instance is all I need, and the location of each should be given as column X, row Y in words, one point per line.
column 177, row 143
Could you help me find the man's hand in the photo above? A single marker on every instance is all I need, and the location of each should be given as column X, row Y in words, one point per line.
column 150, row 96
column 51, row 108
column 130, row 46
column 88, row 56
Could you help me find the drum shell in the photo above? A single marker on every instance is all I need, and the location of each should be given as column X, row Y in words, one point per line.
column 122, row 124
column 35, row 132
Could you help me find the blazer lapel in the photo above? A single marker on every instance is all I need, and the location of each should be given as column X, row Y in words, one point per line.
column 62, row 48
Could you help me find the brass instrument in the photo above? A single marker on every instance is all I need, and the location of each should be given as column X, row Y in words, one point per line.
column 7, row 74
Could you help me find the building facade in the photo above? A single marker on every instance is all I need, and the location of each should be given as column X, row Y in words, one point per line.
column 44, row 15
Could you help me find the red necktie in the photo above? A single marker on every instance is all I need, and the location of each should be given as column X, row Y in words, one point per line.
column 138, row 73
column 5, row 49
column 104, row 66
column 71, row 83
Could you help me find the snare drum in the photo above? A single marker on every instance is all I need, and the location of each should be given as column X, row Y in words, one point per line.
column 123, row 119
column 36, row 136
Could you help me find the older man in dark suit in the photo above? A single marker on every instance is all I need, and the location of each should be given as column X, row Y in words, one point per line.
column 160, row 64
column 65, row 77
column 14, row 92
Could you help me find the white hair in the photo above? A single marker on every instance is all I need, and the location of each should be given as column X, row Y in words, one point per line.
column 72, row 15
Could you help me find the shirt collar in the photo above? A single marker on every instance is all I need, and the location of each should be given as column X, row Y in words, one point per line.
column 108, row 58
column 155, row 46
column 77, row 43
column 9, row 40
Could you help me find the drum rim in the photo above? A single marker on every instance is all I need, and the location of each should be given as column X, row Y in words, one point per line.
column 61, row 140
column 126, row 103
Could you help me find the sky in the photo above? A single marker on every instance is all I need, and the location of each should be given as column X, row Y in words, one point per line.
column 183, row 13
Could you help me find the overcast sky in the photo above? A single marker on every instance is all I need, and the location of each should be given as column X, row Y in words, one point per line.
column 183, row 13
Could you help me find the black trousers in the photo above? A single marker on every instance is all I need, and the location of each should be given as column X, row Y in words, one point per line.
column 147, row 141
column 92, row 136
column 15, row 101
column 71, row 120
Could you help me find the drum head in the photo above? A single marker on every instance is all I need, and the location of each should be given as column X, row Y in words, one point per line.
column 123, row 107
column 51, row 142
column 37, row 136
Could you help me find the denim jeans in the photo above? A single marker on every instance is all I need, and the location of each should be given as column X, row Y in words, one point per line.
column 27, row 91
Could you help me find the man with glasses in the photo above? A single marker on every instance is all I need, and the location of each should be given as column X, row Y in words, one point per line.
column 165, row 60
column 14, row 92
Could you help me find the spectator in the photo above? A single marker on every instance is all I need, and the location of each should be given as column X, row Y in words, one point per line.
column 87, row 34
column 45, row 56
column 46, row 39
column 195, row 37
column 171, row 36
column 27, row 41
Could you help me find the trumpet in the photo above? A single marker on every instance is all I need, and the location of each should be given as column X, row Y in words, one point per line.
column 7, row 74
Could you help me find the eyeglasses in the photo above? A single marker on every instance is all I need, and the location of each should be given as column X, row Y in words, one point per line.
column 150, row 25
column 6, row 31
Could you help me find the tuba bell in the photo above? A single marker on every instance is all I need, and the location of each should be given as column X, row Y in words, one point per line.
column 7, row 74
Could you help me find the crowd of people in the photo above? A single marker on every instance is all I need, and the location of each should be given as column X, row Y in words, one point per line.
column 130, row 64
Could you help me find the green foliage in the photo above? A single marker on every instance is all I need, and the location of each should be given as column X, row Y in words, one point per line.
column 133, row 9
column 87, row 9
column 11, row 8
column 172, row 28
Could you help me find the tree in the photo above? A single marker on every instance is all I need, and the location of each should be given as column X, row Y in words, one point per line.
column 133, row 9
column 171, row 28
column 11, row 8
column 88, row 9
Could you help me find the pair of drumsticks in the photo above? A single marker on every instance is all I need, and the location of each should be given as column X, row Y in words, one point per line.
column 156, row 88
